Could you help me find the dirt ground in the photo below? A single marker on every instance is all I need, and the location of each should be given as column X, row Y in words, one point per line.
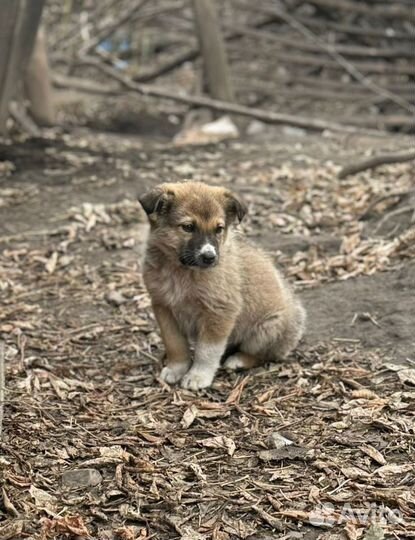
column 95, row 445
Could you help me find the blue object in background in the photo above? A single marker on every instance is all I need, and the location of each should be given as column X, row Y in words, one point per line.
column 108, row 46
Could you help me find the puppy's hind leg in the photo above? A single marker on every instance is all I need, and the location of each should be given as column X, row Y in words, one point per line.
column 241, row 360
column 273, row 339
column 255, row 347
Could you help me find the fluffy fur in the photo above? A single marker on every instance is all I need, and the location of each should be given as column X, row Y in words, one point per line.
column 237, row 301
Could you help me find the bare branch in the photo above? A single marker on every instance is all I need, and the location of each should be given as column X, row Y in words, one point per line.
column 85, row 85
column 349, row 50
column 348, row 66
column 376, row 161
column 392, row 10
column 268, row 117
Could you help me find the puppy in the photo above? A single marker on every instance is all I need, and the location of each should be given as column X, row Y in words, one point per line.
column 210, row 289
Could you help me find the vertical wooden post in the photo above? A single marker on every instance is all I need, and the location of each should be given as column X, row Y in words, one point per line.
column 216, row 71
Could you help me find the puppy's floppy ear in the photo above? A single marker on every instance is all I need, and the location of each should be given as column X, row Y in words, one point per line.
column 157, row 200
column 235, row 207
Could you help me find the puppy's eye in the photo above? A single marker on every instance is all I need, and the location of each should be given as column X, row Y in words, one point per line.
column 188, row 227
column 220, row 229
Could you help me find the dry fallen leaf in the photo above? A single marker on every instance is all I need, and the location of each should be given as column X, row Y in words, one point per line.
column 354, row 472
column 73, row 526
column 8, row 505
column 200, row 475
column 50, row 265
column 352, row 532
column 285, row 452
column 131, row 533
column 375, row 532
column 238, row 527
column 11, row 529
column 188, row 533
column 42, row 498
column 407, row 375
column 220, row 442
column 115, row 452
column 394, row 469
column 236, row 392
column 277, row 441
column 189, row 416
column 364, row 393
column 217, row 534
column 373, row 453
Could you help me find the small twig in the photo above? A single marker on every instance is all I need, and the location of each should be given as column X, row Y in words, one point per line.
column 169, row 66
column 29, row 234
column 399, row 195
column 397, row 212
column 376, row 161
column 366, row 316
column 2, row 384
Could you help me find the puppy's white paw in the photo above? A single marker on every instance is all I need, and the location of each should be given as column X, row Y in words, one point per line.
column 173, row 374
column 195, row 380
column 234, row 362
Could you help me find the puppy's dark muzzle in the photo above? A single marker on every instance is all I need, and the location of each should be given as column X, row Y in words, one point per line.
column 207, row 260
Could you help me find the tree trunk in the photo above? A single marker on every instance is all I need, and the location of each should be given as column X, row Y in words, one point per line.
column 19, row 21
column 216, row 72
column 38, row 85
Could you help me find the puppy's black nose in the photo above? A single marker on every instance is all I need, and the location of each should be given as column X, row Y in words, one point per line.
column 208, row 258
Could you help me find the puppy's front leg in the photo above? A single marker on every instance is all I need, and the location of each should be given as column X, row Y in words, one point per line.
column 209, row 350
column 177, row 348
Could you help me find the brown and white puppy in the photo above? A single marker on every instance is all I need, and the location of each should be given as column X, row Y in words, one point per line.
column 210, row 289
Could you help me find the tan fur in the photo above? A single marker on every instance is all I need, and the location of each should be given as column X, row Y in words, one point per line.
column 243, row 301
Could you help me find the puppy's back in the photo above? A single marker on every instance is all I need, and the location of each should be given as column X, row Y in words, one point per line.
column 266, row 294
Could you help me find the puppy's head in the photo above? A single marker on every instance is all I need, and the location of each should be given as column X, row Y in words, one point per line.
column 190, row 221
